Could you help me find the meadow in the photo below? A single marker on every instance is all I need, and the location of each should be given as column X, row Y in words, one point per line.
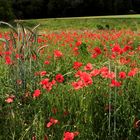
column 70, row 79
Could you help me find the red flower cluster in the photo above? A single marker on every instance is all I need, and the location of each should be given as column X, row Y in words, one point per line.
column 77, row 65
column 97, row 52
column 115, row 83
column 58, row 54
column 46, row 84
column 132, row 72
column 70, row 135
column 85, row 80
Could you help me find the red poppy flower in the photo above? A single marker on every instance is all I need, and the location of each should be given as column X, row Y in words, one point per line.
column 9, row 100
column 132, row 72
column 124, row 60
column 116, row 48
column 86, row 78
column 122, row 75
column 77, row 85
column 97, row 50
column 94, row 55
column 70, row 135
column 126, row 48
column 110, row 75
column 47, row 84
column 104, row 69
column 78, row 73
column 88, row 67
column 8, row 60
column 36, row 93
column 51, row 122
column 95, row 72
column 59, row 78
column 77, row 65
column 43, row 73
column 58, row 53
column 115, row 83
column 78, row 43
column 44, row 81
column 8, row 53
column 47, row 62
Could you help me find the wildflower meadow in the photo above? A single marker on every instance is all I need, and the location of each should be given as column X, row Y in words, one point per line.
column 69, row 84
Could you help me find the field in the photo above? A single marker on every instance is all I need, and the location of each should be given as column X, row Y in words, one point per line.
column 70, row 79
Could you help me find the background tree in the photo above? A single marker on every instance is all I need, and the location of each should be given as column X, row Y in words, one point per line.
column 6, row 11
column 24, row 9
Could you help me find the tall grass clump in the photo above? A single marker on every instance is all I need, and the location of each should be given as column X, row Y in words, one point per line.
column 18, row 80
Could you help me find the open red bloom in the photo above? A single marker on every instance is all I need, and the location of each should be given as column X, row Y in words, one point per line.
column 124, row 60
column 78, row 43
column 126, row 48
column 77, row 65
column 47, row 62
column 95, row 72
column 104, row 69
column 43, row 73
column 77, row 85
column 59, row 78
column 115, row 83
column 78, row 73
column 8, row 60
column 122, row 75
column 47, row 84
column 88, row 66
column 58, row 53
column 116, row 48
column 51, row 122
column 132, row 72
column 9, row 100
column 97, row 50
column 86, row 78
column 70, row 135
column 108, row 74
column 36, row 93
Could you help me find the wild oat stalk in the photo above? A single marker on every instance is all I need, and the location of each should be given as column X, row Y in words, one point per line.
column 22, row 44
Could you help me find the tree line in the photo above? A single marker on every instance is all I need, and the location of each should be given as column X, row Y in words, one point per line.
column 26, row 9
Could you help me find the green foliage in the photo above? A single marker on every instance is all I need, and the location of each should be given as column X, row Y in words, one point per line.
column 83, row 49
column 86, row 23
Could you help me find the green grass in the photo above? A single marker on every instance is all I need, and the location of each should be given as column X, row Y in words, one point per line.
column 117, row 22
column 84, row 23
